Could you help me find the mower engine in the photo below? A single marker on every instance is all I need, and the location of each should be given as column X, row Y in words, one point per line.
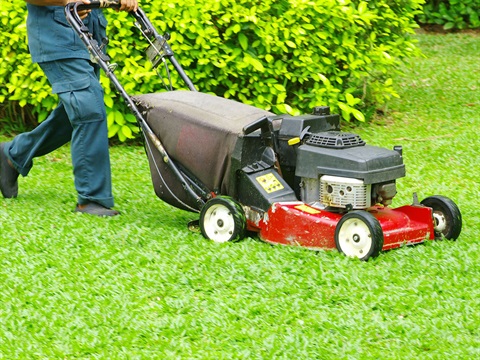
column 336, row 170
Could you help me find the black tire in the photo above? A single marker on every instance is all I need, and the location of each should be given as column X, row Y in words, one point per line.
column 359, row 234
column 447, row 219
column 222, row 219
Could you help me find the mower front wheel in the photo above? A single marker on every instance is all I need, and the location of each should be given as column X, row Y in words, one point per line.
column 222, row 219
column 359, row 234
column 447, row 219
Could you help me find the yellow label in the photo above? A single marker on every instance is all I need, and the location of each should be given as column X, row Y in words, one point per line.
column 269, row 183
column 307, row 209
column 293, row 141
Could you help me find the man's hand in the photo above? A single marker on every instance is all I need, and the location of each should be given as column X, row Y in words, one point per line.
column 128, row 5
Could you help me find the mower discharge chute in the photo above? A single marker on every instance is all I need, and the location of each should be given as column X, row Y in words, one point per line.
column 294, row 180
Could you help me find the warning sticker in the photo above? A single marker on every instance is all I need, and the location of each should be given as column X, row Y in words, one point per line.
column 307, row 209
column 269, row 183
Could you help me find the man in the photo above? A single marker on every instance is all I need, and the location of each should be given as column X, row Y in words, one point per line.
column 80, row 116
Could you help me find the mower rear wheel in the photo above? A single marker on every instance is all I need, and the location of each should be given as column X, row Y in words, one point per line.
column 222, row 219
column 447, row 219
column 359, row 234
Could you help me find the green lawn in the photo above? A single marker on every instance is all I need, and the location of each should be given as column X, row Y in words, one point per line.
column 141, row 286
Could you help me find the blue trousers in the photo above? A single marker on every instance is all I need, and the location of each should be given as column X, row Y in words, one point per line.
column 80, row 117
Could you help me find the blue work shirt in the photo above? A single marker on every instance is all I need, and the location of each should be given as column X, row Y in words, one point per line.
column 50, row 36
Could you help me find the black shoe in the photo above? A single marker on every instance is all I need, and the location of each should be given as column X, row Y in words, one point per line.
column 8, row 176
column 96, row 209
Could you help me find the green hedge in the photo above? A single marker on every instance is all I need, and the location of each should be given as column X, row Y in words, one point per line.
column 451, row 14
column 284, row 56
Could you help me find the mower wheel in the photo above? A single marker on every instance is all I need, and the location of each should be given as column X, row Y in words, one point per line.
column 222, row 219
column 447, row 219
column 359, row 234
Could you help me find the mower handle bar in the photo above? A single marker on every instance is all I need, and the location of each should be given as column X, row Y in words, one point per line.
column 95, row 4
column 71, row 12
column 139, row 15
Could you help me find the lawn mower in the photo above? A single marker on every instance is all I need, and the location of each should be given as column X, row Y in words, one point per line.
column 293, row 180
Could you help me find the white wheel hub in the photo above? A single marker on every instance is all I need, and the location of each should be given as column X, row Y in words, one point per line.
column 440, row 223
column 355, row 238
column 219, row 223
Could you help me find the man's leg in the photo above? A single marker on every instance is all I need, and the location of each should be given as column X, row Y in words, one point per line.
column 76, row 83
column 52, row 133
column 81, row 118
column 16, row 157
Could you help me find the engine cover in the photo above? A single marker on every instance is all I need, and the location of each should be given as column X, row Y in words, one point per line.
column 370, row 164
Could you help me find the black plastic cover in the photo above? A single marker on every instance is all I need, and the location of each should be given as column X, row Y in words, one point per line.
column 369, row 163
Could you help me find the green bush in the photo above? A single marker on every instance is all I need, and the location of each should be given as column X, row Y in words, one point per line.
column 451, row 14
column 284, row 56
column 24, row 91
